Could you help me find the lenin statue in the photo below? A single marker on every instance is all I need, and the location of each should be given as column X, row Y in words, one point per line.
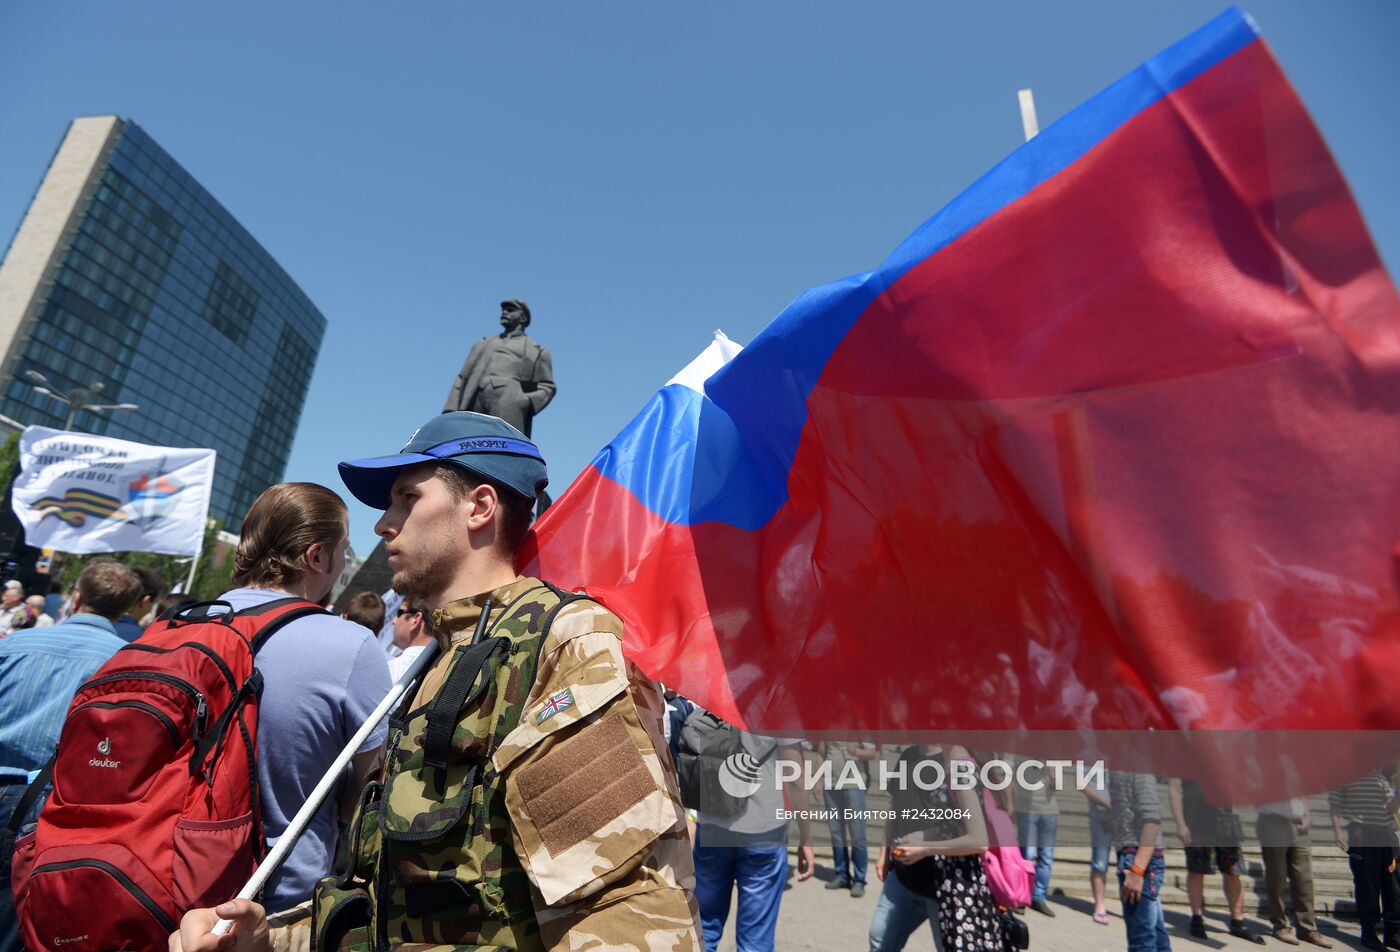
column 508, row 375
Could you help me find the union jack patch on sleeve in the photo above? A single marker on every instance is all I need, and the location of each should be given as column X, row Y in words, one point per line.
column 556, row 703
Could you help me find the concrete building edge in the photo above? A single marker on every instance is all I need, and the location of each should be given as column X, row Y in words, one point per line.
column 63, row 239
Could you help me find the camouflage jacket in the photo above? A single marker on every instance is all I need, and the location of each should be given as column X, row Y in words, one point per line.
column 554, row 822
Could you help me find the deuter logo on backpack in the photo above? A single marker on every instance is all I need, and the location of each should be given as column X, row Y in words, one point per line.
column 104, row 748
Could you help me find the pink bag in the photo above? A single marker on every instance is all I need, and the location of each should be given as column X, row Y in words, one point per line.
column 1009, row 874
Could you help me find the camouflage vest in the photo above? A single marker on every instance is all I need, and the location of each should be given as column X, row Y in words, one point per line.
column 431, row 862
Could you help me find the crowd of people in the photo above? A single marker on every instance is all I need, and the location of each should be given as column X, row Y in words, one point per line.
column 18, row 610
column 580, row 828
column 953, row 894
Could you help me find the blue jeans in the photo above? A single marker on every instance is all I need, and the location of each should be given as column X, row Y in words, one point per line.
column 760, row 872
column 1037, row 834
column 850, row 864
column 1374, row 881
column 1146, row 924
column 1099, row 837
column 9, row 927
column 898, row 913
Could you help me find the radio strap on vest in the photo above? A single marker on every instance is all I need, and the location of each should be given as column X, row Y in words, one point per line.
column 455, row 695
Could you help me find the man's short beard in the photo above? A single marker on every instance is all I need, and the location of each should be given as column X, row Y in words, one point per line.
column 425, row 582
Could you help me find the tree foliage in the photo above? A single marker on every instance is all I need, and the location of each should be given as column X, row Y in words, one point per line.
column 9, row 462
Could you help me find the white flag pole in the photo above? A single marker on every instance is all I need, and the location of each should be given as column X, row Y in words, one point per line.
column 205, row 524
column 278, row 853
column 194, row 564
column 1030, row 125
column 1075, row 472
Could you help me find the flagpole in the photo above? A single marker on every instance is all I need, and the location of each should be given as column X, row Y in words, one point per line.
column 1074, row 458
column 1030, row 125
column 194, row 566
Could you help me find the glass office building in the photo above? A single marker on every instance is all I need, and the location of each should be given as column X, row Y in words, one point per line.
column 126, row 272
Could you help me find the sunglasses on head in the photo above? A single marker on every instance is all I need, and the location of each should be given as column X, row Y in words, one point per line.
column 406, row 611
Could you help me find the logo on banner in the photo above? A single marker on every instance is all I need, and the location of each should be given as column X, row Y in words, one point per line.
column 75, row 506
column 152, row 497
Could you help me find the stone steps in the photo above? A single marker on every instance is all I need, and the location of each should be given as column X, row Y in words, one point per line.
column 1332, row 885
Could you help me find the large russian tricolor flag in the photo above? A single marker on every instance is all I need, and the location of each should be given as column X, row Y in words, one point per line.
column 1112, row 441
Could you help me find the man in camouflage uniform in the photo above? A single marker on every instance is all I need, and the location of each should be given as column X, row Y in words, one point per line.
column 540, row 811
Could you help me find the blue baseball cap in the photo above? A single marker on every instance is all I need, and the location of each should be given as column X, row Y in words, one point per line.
column 485, row 446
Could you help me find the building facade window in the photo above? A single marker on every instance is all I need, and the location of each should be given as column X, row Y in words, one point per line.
column 158, row 288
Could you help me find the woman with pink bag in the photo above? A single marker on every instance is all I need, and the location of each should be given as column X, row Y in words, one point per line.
column 935, row 845
column 1010, row 876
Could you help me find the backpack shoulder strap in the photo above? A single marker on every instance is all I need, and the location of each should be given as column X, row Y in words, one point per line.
column 273, row 617
column 276, row 615
column 270, row 616
column 26, row 803
column 275, row 606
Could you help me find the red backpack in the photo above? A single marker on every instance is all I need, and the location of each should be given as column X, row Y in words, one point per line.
column 155, row 807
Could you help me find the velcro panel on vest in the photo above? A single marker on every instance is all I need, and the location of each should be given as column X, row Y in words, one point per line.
column 602, row 760
column 609, row 829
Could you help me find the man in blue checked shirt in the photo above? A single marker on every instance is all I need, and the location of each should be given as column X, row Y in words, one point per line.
column 40, row 671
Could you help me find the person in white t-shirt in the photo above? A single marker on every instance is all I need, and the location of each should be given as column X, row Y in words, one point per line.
column 411, row 634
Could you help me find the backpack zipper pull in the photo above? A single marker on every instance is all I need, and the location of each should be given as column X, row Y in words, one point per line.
column 201, row 715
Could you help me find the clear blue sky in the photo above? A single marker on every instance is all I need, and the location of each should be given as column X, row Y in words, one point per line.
column 640, row 173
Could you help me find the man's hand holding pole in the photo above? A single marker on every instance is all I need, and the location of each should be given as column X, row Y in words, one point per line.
column 249, row 932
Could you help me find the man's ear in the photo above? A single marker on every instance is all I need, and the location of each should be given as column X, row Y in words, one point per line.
column 317, row 557
column 484, row 503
